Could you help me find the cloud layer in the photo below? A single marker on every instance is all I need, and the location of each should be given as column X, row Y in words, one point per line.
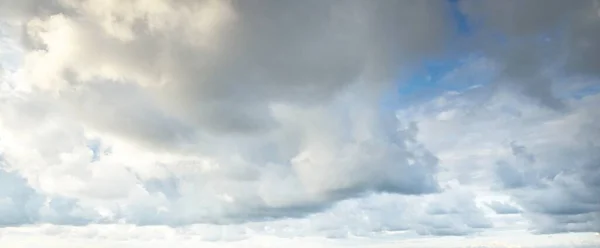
column 216, row 111
column 267, row 116
column 514, row 144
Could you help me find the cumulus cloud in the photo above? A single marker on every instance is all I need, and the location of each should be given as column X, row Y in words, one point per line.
column 514, row 144
column 14, row 195
column 503, row 208
column 266, row 116
column 167, row 112
column 454, row 213
column 201, row 74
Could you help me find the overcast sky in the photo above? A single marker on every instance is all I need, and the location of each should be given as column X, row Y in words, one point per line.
column 314, row 123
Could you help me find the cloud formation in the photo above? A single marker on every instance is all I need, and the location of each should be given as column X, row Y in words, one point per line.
column 503, row 208
column 551, row 177
column 167, row 112
column 541, row 40
column 245, row 117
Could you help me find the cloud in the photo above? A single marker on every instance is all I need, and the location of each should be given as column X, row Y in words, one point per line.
column 541, row 41
column 20, row 204
column 201, row 74
column 511, row 145
column 453, row 213
column 146, row 187
column 15, row 197
column 176, row 113
column 265, row 116
column 503, row 208
column 156, row 236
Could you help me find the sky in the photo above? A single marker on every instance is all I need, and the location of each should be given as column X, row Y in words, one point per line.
column 265, row 123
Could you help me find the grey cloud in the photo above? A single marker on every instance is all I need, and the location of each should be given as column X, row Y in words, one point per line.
column 234, row 190
column 522, row 71
column 269, row 52
column 546, row 161
column 271, row 200
column 207, row 79
column 517, row 174
column 503, row 208
column 563, row 206
column 509, row 176
column 562, row 196
column 256, row 89
column 123, row 112
column 16, row 200
column 376, row 214
column 560, row 192
column 549, row 224
column 577, row 20
column 539, row 34
column 453, row 213
column 523, row 18
column 20, row 204
column 12, row 10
